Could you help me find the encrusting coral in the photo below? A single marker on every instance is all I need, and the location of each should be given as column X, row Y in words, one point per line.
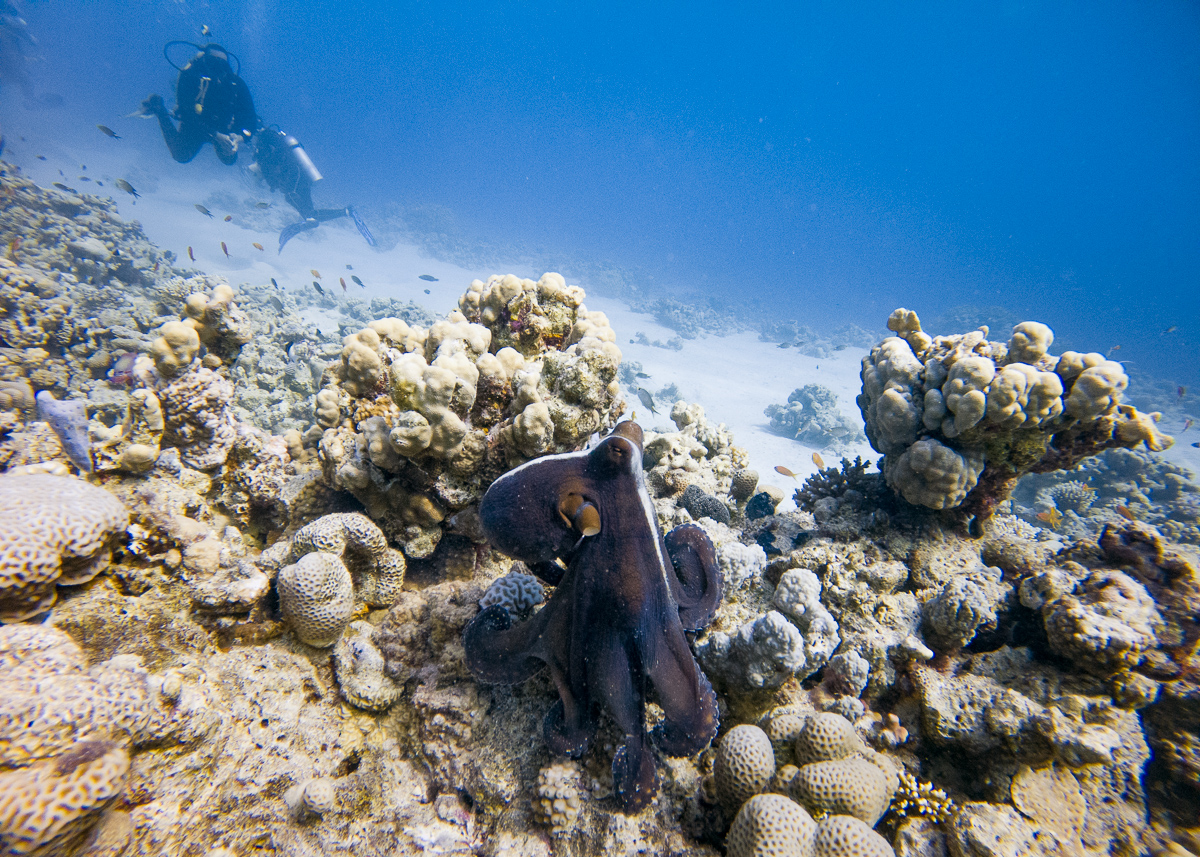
column 53, row 530
column 958, row 418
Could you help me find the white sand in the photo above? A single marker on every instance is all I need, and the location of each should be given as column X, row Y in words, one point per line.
column 734, row 377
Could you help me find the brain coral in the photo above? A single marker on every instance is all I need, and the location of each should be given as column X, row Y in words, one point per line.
column 771, row 826
column 744, row 765
column 53, row 529
column 959, row 419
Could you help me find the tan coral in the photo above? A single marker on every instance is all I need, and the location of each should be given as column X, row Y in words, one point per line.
column 771, row 825
column 744, row 765
column 175, row 349
column 851, row 786
column 826, row 737
column 48, row 809
column 316, row 597
column 557, row 800
column 846, row 836
column 54, row 530
column 377, row 568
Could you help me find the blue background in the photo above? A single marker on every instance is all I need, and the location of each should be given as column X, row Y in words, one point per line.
column 825, row 161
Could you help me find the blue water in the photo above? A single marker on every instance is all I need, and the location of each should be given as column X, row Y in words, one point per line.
column 828, row 161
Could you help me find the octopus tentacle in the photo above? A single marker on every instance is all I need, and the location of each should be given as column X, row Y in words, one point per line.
column 498, row 651
column 696, row 583
column 635, row 778
column 685, row 695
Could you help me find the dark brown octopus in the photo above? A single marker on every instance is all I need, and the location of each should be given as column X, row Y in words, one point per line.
column 612, row 634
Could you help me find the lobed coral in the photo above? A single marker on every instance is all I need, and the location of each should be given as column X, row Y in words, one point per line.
column 958, row 418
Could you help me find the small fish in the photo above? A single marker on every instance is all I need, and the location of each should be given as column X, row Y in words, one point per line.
column 1111, row 350
column 646, row 399
column 262, row 205
column 780, row 469
column 108, row 132
column 277, row 303
column 318, row 285
column 429, row 278
column 256, row 245
column 99, row 183
column 206, row 30
column 200, row 208
column 224, row 249
column 61, row 186
column 228, row 217
column 642, row 375
column 191, row 255
column 1125, row 512
column 13, row 246
column 1187, row 424
column 427, row 291
column 84, row 179
column 155, row 268
column 1170, row 329
column 315, row 273
column 784, row 345
column 357, row 280
column 1196, row 444
column 349, row 267
column 1182, row 391
column 274, row 283
column 127, row 187
column 1053, row 517
column 342, row 280
column 317, row 330
column 41, row 157
column 819, row 461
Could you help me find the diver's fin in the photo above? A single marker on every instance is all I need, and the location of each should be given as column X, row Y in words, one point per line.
column 362, row 227
column 290, row 232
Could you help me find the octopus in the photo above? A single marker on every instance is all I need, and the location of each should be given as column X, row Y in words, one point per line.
column 613, row 633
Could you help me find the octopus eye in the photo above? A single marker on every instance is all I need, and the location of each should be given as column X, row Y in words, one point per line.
column 578, row 513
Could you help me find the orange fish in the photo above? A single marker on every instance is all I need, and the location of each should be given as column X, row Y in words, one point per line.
column 155, row 268
column 191, row 255
column 779, row 468
column 819, row 461
column 1126, row 513
column 342, row 280
column 228, row 217
column 1052, row 517
column 316, row 273
column 256, row 245
column 224, row 249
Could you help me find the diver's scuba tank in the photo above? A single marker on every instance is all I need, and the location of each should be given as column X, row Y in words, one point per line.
column 302, row 159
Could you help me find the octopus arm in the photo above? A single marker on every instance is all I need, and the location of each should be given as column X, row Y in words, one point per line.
column 696, row 583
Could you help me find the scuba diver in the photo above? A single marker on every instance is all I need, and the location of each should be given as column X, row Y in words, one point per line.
column 285, row 166
column 213, row 105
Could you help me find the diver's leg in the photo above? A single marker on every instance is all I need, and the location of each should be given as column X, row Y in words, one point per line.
column 184, row 142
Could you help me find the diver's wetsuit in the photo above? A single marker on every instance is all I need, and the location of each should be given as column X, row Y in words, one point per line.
column 214, row 106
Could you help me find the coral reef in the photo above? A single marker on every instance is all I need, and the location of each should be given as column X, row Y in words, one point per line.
column 958, row 418
column 811, row 416
column 261, row 486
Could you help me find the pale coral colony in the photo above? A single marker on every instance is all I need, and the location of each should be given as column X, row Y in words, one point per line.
column 237, row 559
